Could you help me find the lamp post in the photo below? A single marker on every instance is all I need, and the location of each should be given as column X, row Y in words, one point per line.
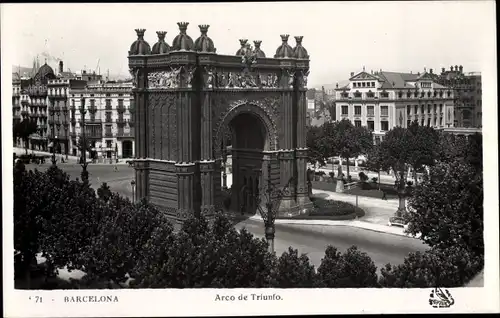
column 273, row 197
column 132, row 183
column 83, row 111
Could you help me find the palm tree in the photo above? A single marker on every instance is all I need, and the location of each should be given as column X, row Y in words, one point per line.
column 24, row 130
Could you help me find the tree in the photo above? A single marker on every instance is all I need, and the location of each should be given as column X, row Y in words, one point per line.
column 353, row 269
column 396, row 151
column 24, row 130
column 424, row 147
column 375, row 161
column 293, row 271
column 351, row 141
column 447, row 207
column 437, row 267
column 316, row 151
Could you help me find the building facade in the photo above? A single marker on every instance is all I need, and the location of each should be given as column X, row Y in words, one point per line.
column 383, row 100
column 108, row 119
column 468, row 95
column 16, row 98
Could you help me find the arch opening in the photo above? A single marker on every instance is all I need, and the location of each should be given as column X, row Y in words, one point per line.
column 244, row 146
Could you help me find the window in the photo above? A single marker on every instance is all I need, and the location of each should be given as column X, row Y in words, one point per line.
column 422, row 109
column 370, row 94
column 109, row 143
column 92, row 103
column 373, row 84
column 440, row 108
column 408, row 95
column 120, row 103
column 371, row 125
column 108, row 103
column 108, row 117
column 422, row 122
column 416, row 109
column 429, row 108
column 435, row 108
column 108, row 129
column 408, row 109
column 357, row 123
column 384, row 125
column 429, row 94
column 384, row 110
column 371, row 111
column 384, row 95
column 435, row 121
column 441, row 121
column 344, row 94
column 345, row 110
column 400, row 94
column 357, row 110
column 357, row 94
column 364, row 84
column 428, row 122
column 354, row 84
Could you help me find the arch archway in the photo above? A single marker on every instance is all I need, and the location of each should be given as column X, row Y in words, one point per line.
column 249, row 140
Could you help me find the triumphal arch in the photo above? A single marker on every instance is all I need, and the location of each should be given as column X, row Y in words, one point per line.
column 192, row 103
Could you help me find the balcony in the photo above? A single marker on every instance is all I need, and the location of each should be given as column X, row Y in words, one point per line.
column 24, row 112
column 121, row 109
column 108, row 107
column 108, row 120
column 108, row 134
column 125, row 134
column 121, row 121
column 92, row 109
column 91, row 121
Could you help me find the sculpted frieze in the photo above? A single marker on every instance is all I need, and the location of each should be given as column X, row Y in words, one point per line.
column 246, row 79
column 188, row 75
column 165, row 79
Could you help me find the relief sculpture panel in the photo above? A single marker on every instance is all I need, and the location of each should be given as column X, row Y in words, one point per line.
column 169, row 79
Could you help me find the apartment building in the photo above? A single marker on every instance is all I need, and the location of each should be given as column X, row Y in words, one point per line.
column 16, row 98
column 383, row 100
column 107, row 118
column 468, row 95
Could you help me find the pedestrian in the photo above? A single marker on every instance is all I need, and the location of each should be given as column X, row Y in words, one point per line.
column 116, row 168
column 384, row 195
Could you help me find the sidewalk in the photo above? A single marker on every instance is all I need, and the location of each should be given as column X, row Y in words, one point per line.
column 394, row 230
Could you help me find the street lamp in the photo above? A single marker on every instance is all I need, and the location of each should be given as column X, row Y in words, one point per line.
column 132, row 183
column 273, row 197
column 83, row 111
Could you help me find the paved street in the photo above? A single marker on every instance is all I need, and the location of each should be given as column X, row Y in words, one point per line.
column 313, row 239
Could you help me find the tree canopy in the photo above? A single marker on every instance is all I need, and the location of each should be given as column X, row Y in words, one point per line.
column 24, row 129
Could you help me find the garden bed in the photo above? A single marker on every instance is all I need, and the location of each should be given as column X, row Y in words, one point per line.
column 330, row 210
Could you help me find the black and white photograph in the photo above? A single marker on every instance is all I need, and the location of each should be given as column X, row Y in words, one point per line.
column 261, row 157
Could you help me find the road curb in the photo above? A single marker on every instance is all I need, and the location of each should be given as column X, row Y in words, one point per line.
column 354, row 224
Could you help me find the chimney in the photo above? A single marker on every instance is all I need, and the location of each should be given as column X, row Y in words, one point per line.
column 430, row 71
column 456, row 68
column 352, row 74
column 461, row 68
column 443, row 70
column 61, row 67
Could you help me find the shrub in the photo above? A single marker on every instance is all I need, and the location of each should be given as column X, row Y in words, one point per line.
column 332, row 174
column 409, row 183
column 104, row 192
column 353, row 269
column 363, row 177
column 450, row 267
column 319, row 173
column 374, row 179
column 293, row 271
column 324, row 207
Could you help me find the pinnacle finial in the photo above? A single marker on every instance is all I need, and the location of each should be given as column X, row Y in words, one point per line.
column 243, row 42
column 298, row 39
column 257, row 43
column 284, row 37
column 183, row 26
column 140, row 33
column 203, row 28
column 161, row 34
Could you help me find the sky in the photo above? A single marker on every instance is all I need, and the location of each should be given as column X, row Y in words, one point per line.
column 341, row 37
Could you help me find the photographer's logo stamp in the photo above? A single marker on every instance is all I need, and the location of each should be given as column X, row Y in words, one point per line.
column 441, row 299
